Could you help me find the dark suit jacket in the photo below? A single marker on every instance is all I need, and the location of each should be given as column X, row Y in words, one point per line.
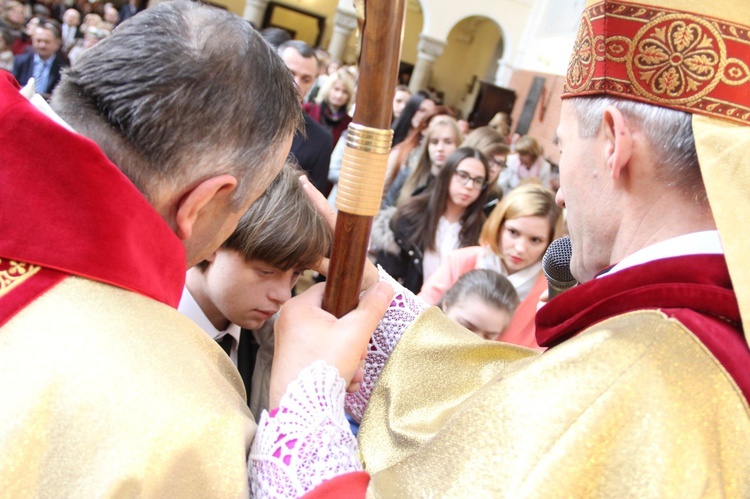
column 127, row 11
column 23, row 70
column 314, row 153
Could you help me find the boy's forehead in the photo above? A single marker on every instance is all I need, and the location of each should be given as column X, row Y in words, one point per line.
column 258, row 263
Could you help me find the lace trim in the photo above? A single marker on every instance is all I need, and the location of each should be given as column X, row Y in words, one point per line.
column 307, row 440
column 404, row 310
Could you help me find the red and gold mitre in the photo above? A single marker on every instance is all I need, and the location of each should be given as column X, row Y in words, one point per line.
column 660, row 53
column 692, row 56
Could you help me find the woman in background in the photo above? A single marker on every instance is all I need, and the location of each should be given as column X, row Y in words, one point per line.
column 332, row 105
column 400, row 97
column 501, row 123
column 527, row 164
column 411, row 241
column 512, row 242
column 439, row 141
column 496, row 149
column 6, row 42
column 417, row 107
column 405, row 155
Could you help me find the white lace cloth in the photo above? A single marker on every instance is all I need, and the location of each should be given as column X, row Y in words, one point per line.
column 307, row 440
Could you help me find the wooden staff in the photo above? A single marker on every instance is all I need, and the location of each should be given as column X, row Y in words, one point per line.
column 366, row 155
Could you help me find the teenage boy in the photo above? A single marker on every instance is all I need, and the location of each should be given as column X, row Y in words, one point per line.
column 233, row 294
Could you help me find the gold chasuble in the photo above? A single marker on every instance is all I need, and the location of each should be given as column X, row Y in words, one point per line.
column 486, row 429
column 85, row 409
column 644, row 390
column 107, row 390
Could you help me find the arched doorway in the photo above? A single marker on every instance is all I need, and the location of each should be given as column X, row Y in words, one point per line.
column 474, row 45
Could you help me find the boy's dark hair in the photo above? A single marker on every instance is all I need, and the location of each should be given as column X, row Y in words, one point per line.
column 282, row 228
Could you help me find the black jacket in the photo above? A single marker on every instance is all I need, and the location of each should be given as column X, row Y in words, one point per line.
column 401, row 259
column 313, row 153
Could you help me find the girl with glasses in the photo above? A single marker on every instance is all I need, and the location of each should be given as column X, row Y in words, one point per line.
column 411, row 241
column 513, row 241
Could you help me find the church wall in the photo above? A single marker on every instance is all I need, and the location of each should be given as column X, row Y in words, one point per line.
column 547, row 111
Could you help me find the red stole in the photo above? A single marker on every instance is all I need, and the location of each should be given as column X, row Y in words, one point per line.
column 67, row 210
column 696, row 290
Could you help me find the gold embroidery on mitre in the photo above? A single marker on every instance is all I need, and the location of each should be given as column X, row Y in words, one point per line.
column 581, row 65
column 13, row 273
column 736, row 72
column 676, row 59
column 617, row 48
column 671, row 58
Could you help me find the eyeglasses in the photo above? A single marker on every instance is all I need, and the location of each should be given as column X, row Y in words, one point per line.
column 500, row 164
column 469, row 181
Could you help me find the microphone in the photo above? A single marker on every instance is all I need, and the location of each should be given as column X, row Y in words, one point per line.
column 556, row 266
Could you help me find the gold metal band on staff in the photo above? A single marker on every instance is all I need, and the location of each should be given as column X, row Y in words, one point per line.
column 363, row 170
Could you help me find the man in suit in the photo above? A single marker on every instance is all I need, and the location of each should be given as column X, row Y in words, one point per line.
column 313, row 149
column 45, row 62
column 70, row 32
column 128, row 10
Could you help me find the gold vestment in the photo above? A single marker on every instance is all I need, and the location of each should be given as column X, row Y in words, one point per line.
column 455, row 416
column 90, row 374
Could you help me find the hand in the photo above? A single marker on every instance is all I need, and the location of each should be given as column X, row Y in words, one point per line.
column 305, row 333
column 370, row 275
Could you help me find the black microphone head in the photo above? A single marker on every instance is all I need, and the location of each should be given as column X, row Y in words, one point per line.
column 556, row 264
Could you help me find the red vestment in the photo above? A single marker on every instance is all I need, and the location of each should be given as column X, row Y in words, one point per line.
column 69, row 210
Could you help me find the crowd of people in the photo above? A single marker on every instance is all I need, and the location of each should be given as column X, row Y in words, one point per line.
column 424, row 229
column 153, row 237
column 39, row 40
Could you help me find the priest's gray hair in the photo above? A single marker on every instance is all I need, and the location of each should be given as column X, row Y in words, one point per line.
column 180, row 93
column 668, row 131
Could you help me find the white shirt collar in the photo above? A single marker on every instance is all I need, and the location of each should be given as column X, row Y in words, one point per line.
column 522, row 281
column 41, row 105
column 696, row 243
column 189, row 307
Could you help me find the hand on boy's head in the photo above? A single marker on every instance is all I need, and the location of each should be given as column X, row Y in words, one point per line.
column 305, row 333
column 370, row 276
column 319, row 201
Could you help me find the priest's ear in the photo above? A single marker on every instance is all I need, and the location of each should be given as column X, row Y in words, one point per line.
column 212, row 196
column 618, row 148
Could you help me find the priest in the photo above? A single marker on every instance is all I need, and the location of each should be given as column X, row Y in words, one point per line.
column 156, row 143
column 644, row 387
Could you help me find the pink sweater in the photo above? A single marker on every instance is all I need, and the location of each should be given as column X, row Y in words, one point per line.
column 521, row 329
